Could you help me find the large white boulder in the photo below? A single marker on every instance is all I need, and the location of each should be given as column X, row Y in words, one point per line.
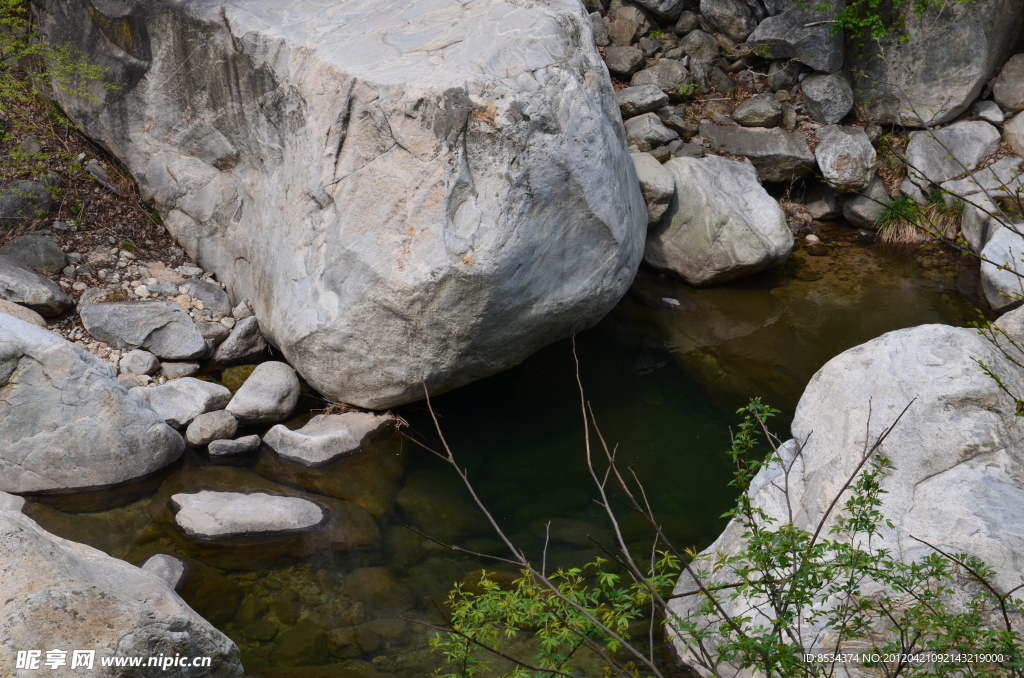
column 1002, row 267
column 405, row 192
column 935, row 75
column 958, row 450
column 720, row 225
column 65, row 422
column 55, row 593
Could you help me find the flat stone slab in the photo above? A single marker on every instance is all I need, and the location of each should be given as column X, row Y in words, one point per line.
column 228, row 448
column 161, row 327
column 224, row 515
column 325, row 438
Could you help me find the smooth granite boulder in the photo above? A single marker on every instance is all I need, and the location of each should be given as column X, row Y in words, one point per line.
column 65, row 422
column 721, row 224
column 845, row 156
column 182, row 400
column 404, row 192
column 222, row 515
column 958, row 454
column 268, row 395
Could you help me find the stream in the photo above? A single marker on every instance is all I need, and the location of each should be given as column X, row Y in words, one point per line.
column 664, row 373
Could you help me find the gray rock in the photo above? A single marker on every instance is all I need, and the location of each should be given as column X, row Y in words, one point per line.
column 731, row 17
column 65, row 423
column 141, row 392
column 212, row 331
column 845, row 156
column 721, row 224
column 139, row 362
column 1003, row 288
column 1000, row 178
column 600, row 29
column 58, row 593
column 222, row 515
column 161, row 327
column 940, row 155
column 760, row 110
column 268, row 395
column 21, row 285
column 954, row 451
column 210, row 426
column 656, row 183
column 164, row 289
column 525, row 169
column 244, row 344
column 1013, row 133
column 623, row 62
column 1013, row 324
column 229, row 448
column 938, row 73
column 643, row 99
column 783, row 75
column 22, row 313
column 624, row 10
column 325, row 438
column 178, row 370
column 212, row 296
column 128, row 382
column 182, row 400
column 11, row 502
column 700, row 47
column 777, row 155
column 40, row 252
column 823, row 204
column 789, row 118
column 912, row 190
column 788, row 36
column 668, row 10
column 649, row 128
column 828, row 98
column 648, row 47
column 686, row 23
column 866, row 208
column 170, row 569
column 97, row 172
column 721, row 81
column 23, row 199
column 988, row 111
column 1008, row 88
column 667, row 74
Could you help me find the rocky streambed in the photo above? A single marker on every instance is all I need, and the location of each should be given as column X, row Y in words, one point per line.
column 362, row 203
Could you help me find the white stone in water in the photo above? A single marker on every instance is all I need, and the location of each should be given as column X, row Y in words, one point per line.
column 325, row 437
column 222, row 515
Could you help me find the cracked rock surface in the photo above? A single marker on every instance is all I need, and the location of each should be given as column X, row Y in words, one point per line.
column 65, row 422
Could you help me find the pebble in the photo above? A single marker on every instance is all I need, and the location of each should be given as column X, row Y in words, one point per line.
column 228, row 322
column 184, row 301
column 79, row 286
column 813, row 239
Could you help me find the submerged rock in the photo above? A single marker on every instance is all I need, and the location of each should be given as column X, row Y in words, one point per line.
column 222, row 515
column 65, row 422
column 59, row 594
column 229, row 448
column 721, row 224
column 444, row 216
column 325, row 438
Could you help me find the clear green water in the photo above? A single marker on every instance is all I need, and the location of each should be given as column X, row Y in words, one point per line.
column 664, row 373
